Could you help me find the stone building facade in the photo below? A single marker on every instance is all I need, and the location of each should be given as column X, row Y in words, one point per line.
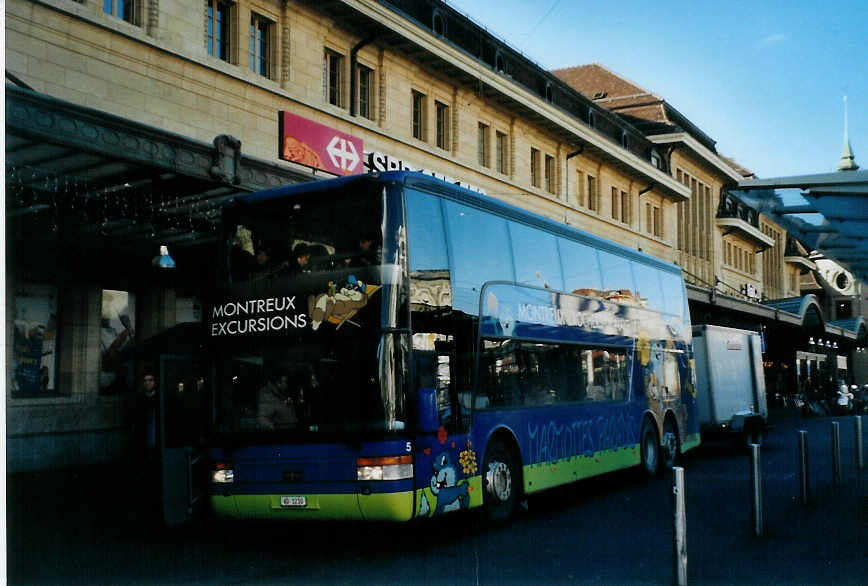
column 421, row 85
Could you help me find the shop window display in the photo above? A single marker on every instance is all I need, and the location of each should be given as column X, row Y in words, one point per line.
column 34, row 354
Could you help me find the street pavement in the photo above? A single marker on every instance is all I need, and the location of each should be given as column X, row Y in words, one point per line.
column 96, row 527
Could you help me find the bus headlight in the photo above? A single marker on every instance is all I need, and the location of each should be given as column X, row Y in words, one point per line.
column 223, row 474
column 385, row 468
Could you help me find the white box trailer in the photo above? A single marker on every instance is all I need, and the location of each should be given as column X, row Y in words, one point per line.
column 730, row 386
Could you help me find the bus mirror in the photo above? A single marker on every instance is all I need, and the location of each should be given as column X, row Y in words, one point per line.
column 428, row 419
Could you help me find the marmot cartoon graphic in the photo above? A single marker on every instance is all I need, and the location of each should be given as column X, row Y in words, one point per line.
column 338, row 306
column 450, row 495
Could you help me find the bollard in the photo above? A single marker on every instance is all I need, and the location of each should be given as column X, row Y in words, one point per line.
column 756, row 489
column 679, row 542
column 803, row 465
column 857, row 431
column 836, row 454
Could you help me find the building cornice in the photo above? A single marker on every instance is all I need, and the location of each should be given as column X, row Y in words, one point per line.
column 699, row 150
column 802, row 261
column 746, row 230
column 399, row 25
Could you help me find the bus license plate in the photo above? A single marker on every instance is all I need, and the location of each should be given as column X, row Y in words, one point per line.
column 293, row 501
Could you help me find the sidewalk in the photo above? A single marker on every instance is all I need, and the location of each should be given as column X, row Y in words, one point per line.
column 825, row 542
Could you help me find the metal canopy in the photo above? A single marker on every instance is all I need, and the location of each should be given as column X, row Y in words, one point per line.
column 83, row 182
column 840, row 198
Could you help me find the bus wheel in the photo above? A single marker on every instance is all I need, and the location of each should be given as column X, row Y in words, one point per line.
column 670, row 444
column 500, row 482
column 650, row 448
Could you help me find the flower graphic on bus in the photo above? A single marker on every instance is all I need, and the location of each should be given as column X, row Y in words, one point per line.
column 467, row 459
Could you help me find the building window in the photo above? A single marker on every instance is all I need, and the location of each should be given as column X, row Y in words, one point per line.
column 442, row 125
column 218, row 29
column 502, row 152
column 366, row 91
column 591, row 192
column 418, row 115
column 333, row 64
column 482, row 148
column 534, row 167
column 260, row 45
column 616, row 204
column 124, row 9
column 551, row 179
column 654, row 220
column 625, row 208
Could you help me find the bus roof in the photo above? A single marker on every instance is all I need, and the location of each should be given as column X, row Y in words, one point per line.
column 428, row 183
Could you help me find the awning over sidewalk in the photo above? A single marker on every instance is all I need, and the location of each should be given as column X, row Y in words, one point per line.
column 75, row 175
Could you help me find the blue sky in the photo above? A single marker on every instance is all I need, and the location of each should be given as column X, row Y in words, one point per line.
column 765, row 79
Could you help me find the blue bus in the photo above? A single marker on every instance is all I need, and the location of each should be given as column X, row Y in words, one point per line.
column 390, row 346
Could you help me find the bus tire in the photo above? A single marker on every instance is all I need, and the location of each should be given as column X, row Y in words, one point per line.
column 649, row 449
column 670, row 445
column 501, row 482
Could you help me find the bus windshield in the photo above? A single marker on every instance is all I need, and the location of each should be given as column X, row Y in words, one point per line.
column 297, row 328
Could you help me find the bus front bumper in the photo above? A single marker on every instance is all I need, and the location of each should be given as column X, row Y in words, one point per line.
column 394, row 506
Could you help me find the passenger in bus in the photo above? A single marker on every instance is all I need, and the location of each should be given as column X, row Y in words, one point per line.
column 276, row 409
column 301, row 259
column 263, row 265
column 366, row 254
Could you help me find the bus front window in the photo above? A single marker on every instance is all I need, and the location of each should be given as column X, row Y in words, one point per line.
column 297, row 331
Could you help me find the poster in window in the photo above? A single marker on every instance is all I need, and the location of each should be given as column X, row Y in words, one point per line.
column 116, row 340
column 34, row 358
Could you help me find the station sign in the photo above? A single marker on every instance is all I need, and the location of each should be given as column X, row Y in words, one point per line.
column 319, row 146
column 379, row 162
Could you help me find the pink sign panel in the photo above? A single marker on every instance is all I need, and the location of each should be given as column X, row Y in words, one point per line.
column 309, row 143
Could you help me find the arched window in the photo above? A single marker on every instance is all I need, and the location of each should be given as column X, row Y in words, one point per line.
column 438, row 24
column 499, row 62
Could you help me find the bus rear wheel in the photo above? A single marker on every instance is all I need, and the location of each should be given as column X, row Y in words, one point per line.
column 500, row 482
column 649, row 448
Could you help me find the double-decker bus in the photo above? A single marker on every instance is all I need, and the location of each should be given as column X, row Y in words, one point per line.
column 390, row 346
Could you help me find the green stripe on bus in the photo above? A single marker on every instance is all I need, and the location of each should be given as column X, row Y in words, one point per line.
column 339, row 507
column 550, row 474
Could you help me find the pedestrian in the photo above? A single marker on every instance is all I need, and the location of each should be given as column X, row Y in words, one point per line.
column 147, row 411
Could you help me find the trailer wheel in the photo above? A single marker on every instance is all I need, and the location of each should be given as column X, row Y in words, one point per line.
column 649, row 448
column 670, row 444
column 500, row 482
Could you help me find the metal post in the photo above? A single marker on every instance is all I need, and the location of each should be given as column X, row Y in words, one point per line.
column 836, row 454
column 803, row 465
column 679, row 542
column 857, row 431
column 756, row 482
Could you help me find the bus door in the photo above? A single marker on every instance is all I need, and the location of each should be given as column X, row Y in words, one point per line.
column 182, row 423
column 445, row 460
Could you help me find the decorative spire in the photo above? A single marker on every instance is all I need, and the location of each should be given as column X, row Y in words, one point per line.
column 848, row 162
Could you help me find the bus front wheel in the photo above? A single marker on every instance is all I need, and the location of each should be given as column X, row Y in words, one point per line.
column 650, row 448
column 500, row 482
